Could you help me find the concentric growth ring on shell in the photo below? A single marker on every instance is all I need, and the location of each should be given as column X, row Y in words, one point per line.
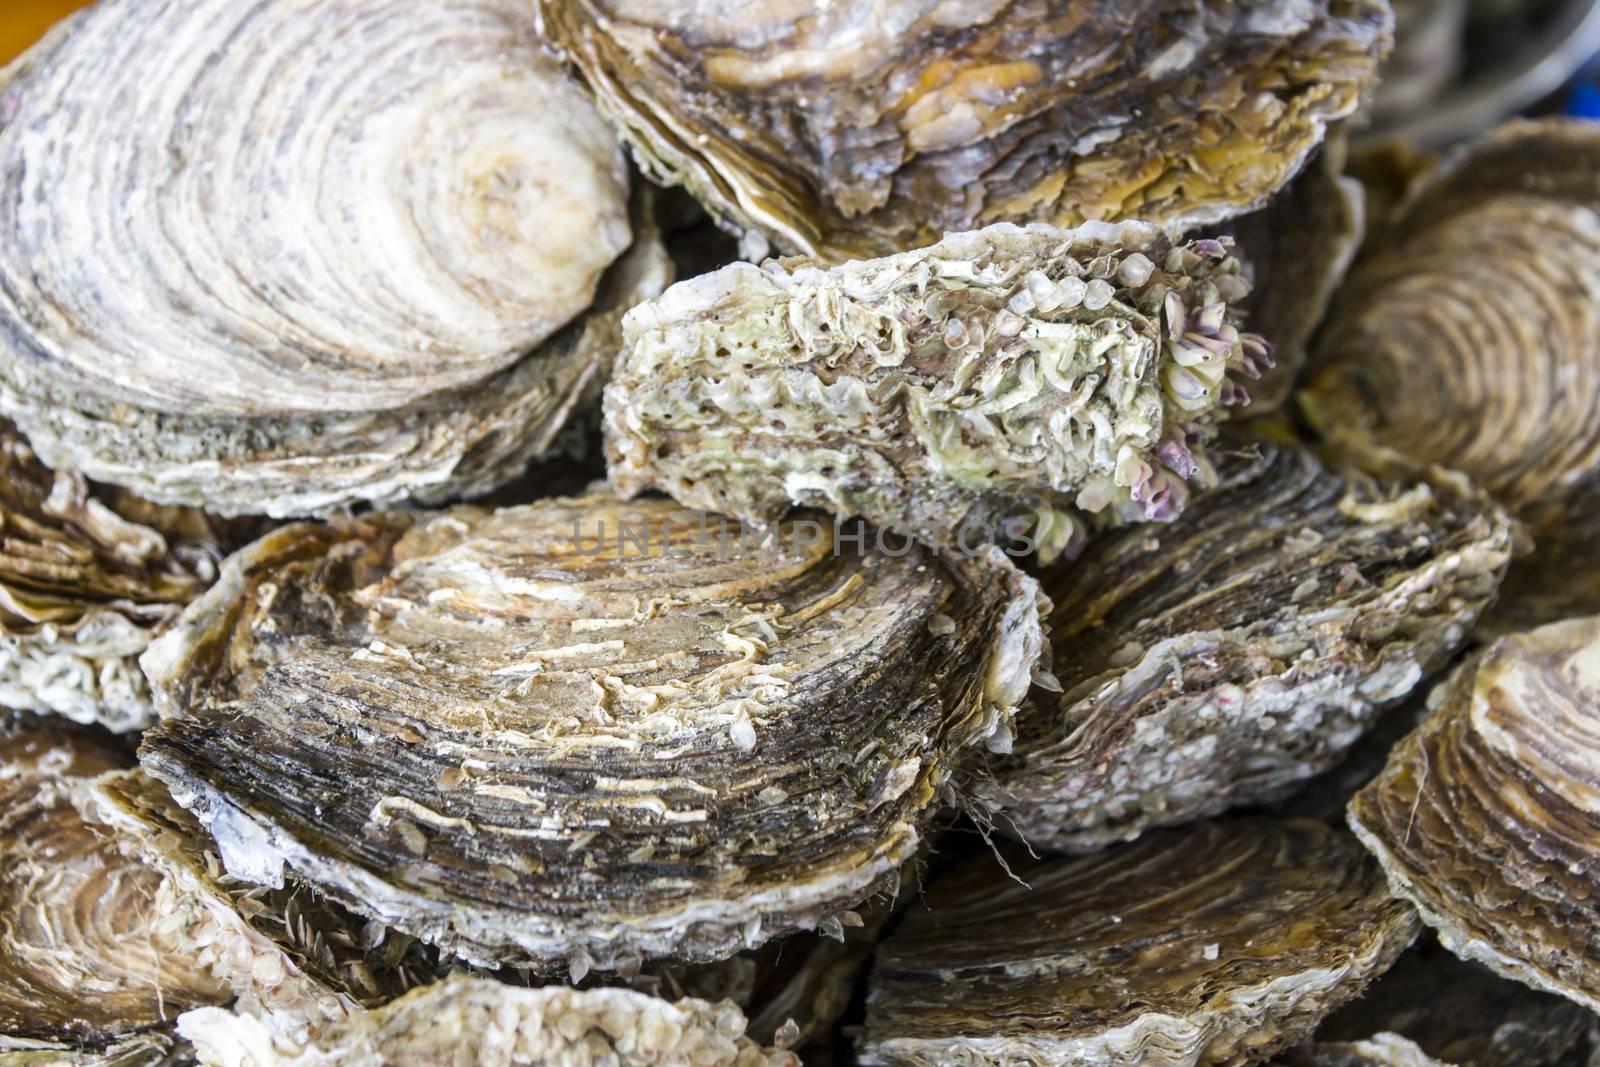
column 1488, row 815
column 1219, row 944
column 282, row 258
column 584, row 732
column 1470, row 337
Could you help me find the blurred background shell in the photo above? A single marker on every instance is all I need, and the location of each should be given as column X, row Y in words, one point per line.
column 861, row 128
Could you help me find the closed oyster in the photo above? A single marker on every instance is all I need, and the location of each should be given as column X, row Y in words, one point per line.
column 1486, row 816
column 1218, row 944
column 142, row 1050
column 858, row 128
column 1299, row 249
column 1008, row 372
column 482, row 1022
column 584, row 731
column 87, row 574
column 279, row 260
column 1460, row 1014
column 1471, row 337
column 83, row 967
column 1226, row 658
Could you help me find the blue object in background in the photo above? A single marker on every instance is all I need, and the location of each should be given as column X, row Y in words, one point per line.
column 1583, row 95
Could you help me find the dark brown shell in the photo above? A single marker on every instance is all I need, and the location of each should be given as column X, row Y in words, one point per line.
column 1214, row 945
column 861, row 128
column 1225, row 658
column 510, row 735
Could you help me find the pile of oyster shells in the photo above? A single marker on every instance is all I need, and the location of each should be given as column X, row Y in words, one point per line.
column 617, row 532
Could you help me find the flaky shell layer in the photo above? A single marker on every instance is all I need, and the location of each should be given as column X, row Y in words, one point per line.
column 283, row 259
column 83, row 963
column 1470, row 336
column 1488, row 815
column 1218, row 944
column 482, row 1022
column 585, row 731
column 860, row 128
column 1225, row 658
column 87, row 575
column 1027, row 372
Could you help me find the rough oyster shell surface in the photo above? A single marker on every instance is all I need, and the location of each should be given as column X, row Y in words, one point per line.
column 1008, row 371
column 1225, row 658
column 249, row 271
column 1486, row 816
column 83, row 963
column 586, row 730
column 473, row 1020
column 1469, row 337
column 1218, row 944
column 87, row 574
column 860, row 128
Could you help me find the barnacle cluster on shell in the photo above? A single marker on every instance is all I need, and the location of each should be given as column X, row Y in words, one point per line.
column 1220, row 943
column 1486, row 816
column 1013, row 371
column 860, row 128
column 1470, row 336
column 1223, row 659
column 249, row 270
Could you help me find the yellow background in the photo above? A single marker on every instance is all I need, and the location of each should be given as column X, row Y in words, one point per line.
column 23, row 22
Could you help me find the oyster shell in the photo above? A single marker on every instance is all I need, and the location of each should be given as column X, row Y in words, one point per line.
column 1301, row 245
column 250, row 269
column 1226, row 658
column 1008, row 371
column 473, row 1020
column 1461, row 1014
column 586, row 730
column 859, row 128
column 82, row 964
column 1218, row 944
column 87, row 574
column 141, row 1050
column 1379, row 1050
column 1471, row 337
column 1486, row 816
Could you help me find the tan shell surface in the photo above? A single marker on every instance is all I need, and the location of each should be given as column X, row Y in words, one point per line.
column 528, row 737
column 1224, row 659
column 1218, row 944
column 1029, row 374
column 863, row 128
column 82, row 958
column 487, row 1024
column 1468, row 336
column 248, row 271
column 1487, row 815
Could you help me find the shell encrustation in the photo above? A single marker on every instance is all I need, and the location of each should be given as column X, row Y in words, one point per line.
column 1225, row 658
column 585, row 732
column 864, row 128
column 1027, row 373
column 1214, row 945
column 84, row 958
column 1488, row 815
column 87, row 574
column 479, row 1021
column 246, row 269
column 1469, row 336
